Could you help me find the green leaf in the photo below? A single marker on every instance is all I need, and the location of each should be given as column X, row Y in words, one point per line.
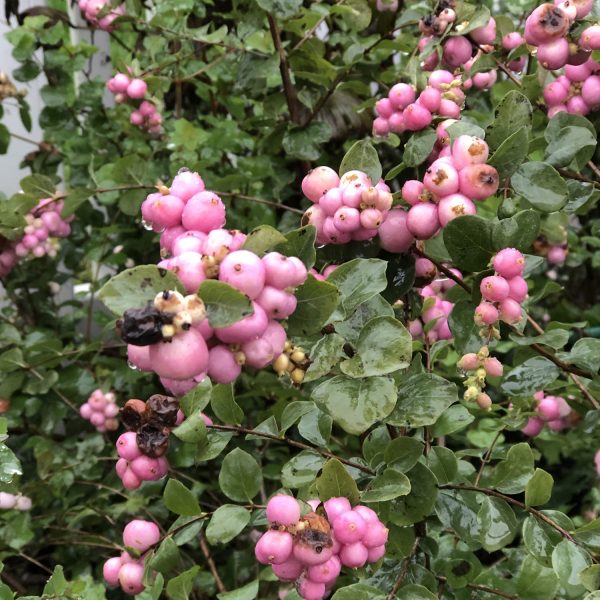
column 134, row 288
column 302, row 469
column 38, row 186
column 384, row 346
column 585, row 353
column 463, row 327
column 513, row 112
column 419, row 147
column 535, row 582
column 166, row 557
column 529, row 377
column 315, row 427
column 316, row 302
column 358, row 591
column 512, row 474
column 468, row 240
column 281, row 8
column 555, row 338
column 540, row 539
column 568, row 560
column 57, row 584
column 402, row 453
column 457, row 417
column 518, row 231
column 180, row 587
column 570, row 138
column 74, row 200
column 246, row 592
column 192, row 430
column 335, row 481
column 197, row 399
column 226, row 523
column 362, row 156
column 351, row 327
column 240, row 476
column 180, row 500
column 414, row 591
column 406, row 510
column 356, row 13
column 357, row 281
column 10, row 467
column 511, row 153
column 224, row 304
column 497, row 523
column 325, row 354
column 464, row 127
column 589, row 534
column 539, row 488
column 304, row 143
column 293, row 412
column 470, row 17
column 443, row 464
column 541, row 185
column 356, row 404
column 458, row 511
column 263, row 239
column 590, row 577
column 387, row 486
column 224, row 405
column 422, row 398
column 4, row 139
column 301, row 243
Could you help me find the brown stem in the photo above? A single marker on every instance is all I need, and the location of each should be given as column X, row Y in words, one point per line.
column 293, row 443
column 13, row 582
column 532, row 511
column 35, row 562
column 23, row 139
column 445, row 270
column 403, row 569
column 594, row 168
column 211, row 564
column 284, row 68
column 482, row 588
column 485, row 459
column 578, row 176
column 261, row 201
column 504, row 69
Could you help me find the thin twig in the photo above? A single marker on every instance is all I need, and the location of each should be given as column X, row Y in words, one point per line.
column 485, row 459
column 261, row 201
column 314, row 28
column 403, row 569
column 35, row 562
column 482, row 588
column 503, row 68
column 211, row 564
column 594, row 168
column 290, row 442
column 578, row 176
column 23, row 139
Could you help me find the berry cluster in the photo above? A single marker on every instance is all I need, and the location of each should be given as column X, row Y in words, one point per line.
column 127, row 570
column 482, row 80
column 549, row 28
column 576, row 92
column 44, row 226
column 403, row 111
column 451, row 183
column 311, row 549
column 101, row 410
column 479, row 365
column 433, row 324
column 100, row 13
column 15, row 501
column 503, row 292
column 553, row 410
column 126, row 89
column 346, row 208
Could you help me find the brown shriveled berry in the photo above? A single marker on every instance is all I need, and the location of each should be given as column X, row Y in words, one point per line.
column 133, row 414
column 153, row 440
column 162, row 410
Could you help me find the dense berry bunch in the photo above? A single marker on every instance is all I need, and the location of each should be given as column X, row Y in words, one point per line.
column 482, row 80
column 478, row 366
column 576, row 92
column 101, row 410
column 346, row 208
column 552, row 410
column 126, row 570
column 402, row 110
column 311, row 549
column 100, row 13
column 40, row 236
column 549, row 27
column 14, row 501
column 503, row 292
column 133, row 90
column 433, row 324
column 451, row 183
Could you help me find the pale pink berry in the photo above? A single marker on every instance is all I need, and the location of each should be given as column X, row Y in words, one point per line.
column 130, row 480
column 416, row 117
column 533, row 427
column 331, row 201
column 110, row 571
column 274, row 547
column 141, row 534
column 456, row 51
column 169, row 235
column 349, row 527
column 493, row 367
column 545, row 24
column 310, row 555
column 478, row 181
column 371, row 218
column 557, row 255
column 280, row 270
column 85, row 410
column 486, row 314
column 276, row 335
column 127, row 447
column 396, row 123
column 222, row 365
column 204, row 211
column 7, row 501
column 354, row 555
column 430, row 98
column 131, row 576
column 509, row 263
column 548, row 409
column 335, row 507
column 347, row 219
column 145, row 468
column 423, row 221
column 186, row 184
column 384, row 108
column 554, row 54
column 289, row 570
column 401, row 95
column 494, row 288
column 318, row 181
column 137, row 89
column 310, row 590
column 368, row 514
column 510, row 311
column 453, row 206
column 136, row 118
column 394, row 235
column 277, row 304
column 248, row 328
column 469, row 362
column 381, row 127
column 184, row 357
column 441, row 178
column 486, row 34
column 326, row 572
column 590, row 38
column 244, row 271
column 576, row 105
column 376, row 554
column 97, row 419
column 469, row 150
column 557, row 425
column 590, row 92
column 375, row 535
column 440, row 79
column 412, row 190
column 425, row 269
column 555, row 93
column 190, row 241
column 283, row 510
column 518, row 288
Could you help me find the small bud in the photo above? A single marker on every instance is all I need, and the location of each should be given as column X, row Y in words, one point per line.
column 297, row 376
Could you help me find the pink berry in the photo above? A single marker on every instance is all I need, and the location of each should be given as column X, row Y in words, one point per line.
column 283, row 510
column 130, row 577
column 110, row 571
column 394, row 235
column 555, row 93
column 184, row 357
column 318, row 181
column 331, row 201
column 423, row 221
column 244, row 271
column 412, row 190
column 510, row 311
column 276, row 303
column 441, row 179
column 347, row 219
column 130, row 480
column 334, row 507
column 326, row 572
column 478, row 181
column 430, row 98
column 289, row 570
column 469, row 150
column 120, row 83
column 375, row 554
column 509, row 263
column 127, row 447
column 416, row 117
column 576, row 105
column 186, row 184
column 280, row 271
column 401, row 95
column 137, row 88
column 204, row 212
column 396, row 123
column 457, row 51
column 85, row 410
column 590, row 38
column 440, row 79
column 486, row 34
column 222, row 365
column 274, row 547
column 486, row 314
column 141, row 534
column 190, row 241
column 554, row 54
column 349, row 527
column 136, row 118
column 381, row 127
column 518, row 289
column 311, row 555
column 145, row 468
column 425, row 269
column 545, row 24
column 371, row 218
column 354, row 555
column 248, row 328
column 376, row 535
column 548, row 409
column 590, row 92
column 557, row 255
column 494, row 288
column 384, row 108
column 533, row 427
column 493, row 367
column 310, row 590
column 469, row 362
column 276, row 335
column 453, row 206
